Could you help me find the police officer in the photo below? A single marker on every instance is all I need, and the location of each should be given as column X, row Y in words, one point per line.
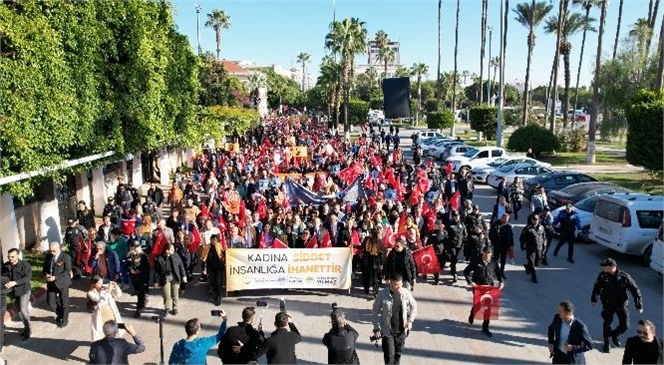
column 75, row 235
column 138, row 267
column 340, row 341
column 612, row 286
column 533, row 239
column 456, row 236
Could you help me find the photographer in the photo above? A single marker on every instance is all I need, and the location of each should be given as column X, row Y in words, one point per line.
column 394, row 311
column 280, row 347
column 244, row 335
column 193, row 349
column 340, row 341
column 113, row 350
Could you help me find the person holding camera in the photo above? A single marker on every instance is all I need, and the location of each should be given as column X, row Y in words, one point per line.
column 340, row 341
column 114, row 350
column 244, row 338
column 101, row 303
column 194, row 349
column 394, row 311
column 280, row 347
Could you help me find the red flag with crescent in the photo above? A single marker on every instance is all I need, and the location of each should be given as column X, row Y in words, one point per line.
column 426, row 260
column 313, row 242
column 326, row 241
column 277, row 243
column 389, row 238
column 355, row 241
column 159, row 246
column 454, row 200
column 486, row 298
column 195, row 240
column 448, row 167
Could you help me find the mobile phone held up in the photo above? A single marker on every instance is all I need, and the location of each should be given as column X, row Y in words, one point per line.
column 215, row 313
column 261, row 303
column 122, row 326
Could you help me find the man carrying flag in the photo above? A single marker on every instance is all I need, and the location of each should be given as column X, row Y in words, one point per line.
column 483, row 275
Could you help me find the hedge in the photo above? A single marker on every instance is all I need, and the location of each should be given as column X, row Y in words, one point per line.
column 440, row 120
column 644, row 131
column 533, row 136
column 483, row 119
column 357, row 111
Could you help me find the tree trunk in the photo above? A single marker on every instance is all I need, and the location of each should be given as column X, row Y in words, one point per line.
column 456, row 79
column 480, row 98
column 590, row 148
column 615, row 43
column 438, row 81
column 659, row 81
column 218, row 36
column 651, row 24
column 504, row 53
column 578, row 72
column 531, row 44
column 304, row 74
column 565, row 103
column 562, row 9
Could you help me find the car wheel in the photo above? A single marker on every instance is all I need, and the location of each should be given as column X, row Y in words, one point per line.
column 646, row 255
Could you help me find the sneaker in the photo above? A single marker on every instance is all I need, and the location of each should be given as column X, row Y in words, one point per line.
column 606, row 349
column 534, row 280
column 616, row 340
column 570, row 260
column 487, row 332
column 525, row 266
column 166, row 311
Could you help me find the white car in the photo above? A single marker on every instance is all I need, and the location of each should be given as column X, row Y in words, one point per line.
column 657, row 255
column 481, row 173
column 439, row 148
column 512, row 171
column 476, row 157
column 584, row 210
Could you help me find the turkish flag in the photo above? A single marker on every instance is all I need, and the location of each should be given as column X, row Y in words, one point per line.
column 429, row 163
column 390, row 238
column 313, row 242
column 261, row 241
column 486, row 301
column 448, row 167
column 195, row 240
column 454, row 200
column 426, row 260
column 159, row 246
column 326, row 241
column 402, row 223
column 355, row 241
column 277, row 243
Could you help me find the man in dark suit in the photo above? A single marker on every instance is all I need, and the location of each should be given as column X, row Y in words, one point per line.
column 646, row 347
column 112, row 350
column 19, row 273
column 280, row 347
column 338, row 234
column 569, row 338
column 57, row 269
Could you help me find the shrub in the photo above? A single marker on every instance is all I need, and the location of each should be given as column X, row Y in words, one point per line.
column 357, row 111
column 644, row 130
column 512, row 117
column 376, row 103
column 573, row 140
column 440, row 120
column 433, row 105
column 483, row 119
column 533, row 136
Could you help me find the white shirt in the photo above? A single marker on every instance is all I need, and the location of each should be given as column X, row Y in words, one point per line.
column 564, row 335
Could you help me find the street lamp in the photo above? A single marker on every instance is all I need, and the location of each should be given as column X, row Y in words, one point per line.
column 488, row 74
column 198, row 27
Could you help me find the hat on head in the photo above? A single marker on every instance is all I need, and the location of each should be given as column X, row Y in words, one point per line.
column 81, row 202
column 608, row 262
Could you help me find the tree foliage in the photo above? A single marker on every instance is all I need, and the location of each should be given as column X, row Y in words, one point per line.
column 532, row 136
column 483, row 119
column 644, row 131
column 512, row 95
column 358, row 111
column 440, row 120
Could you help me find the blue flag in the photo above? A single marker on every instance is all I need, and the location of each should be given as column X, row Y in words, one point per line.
column 298, row 194
column 354, row 192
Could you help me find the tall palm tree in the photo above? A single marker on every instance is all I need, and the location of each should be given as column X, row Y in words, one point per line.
column 303, row 58
column 330, row 78
column 372, row 75
column 659, row 81
column 574, row 23
column 615, row 42
column 652, row 18
column 402, row 71
column 485, row 6
column 493, row 63
column 586, row 5
column 347, row 38
column 255, row 82
column 562, row 16
column 504, row 51
column 530, row 16
column 641, row 31
column 592, row 125
column 419, row 69
column 438, row 81
column 456, row 52
column 386, row 55
column 218, row 20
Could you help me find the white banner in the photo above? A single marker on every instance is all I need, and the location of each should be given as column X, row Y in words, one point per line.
column 306, row 268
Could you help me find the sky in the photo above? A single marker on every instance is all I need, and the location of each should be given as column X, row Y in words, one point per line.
column 276, row 31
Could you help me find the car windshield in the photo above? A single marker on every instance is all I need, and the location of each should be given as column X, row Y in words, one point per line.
column 471, row 152
column 507, row 168
column 496, row 163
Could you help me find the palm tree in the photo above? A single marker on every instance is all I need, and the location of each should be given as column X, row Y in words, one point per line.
column 641, row 32
column 456, row 52
column 615, row 43
column 438, row 81
column 386, row 55
column 371, row 75
column 419, row 69
column 255, row 82
column 590, row 148
column 330, row 78
column 530, row 16
column 586, row 5
column 347, row 38
column 659, row 82
column 218, row 20
column 652, row 18
column 303, row 58
column 402, row 71
column 495, row 63
column 485, row 9
column 574, row 23
column 562, row 16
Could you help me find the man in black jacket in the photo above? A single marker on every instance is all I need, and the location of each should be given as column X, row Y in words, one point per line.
column 244, row 336
column 340, row 341
column 501, row 236
column 612, row 286
column 400, row 261
column 280, row 347
column 456, row 238
column 438, row 239
column 157, row 195
column 569, row 338
column 532, row 240
column 646, row 347
column 483, row 272
column 57, row 269
column 169, row 274
column 138, row 266
column 19, row 273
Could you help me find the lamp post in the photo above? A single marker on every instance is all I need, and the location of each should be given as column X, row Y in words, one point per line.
column 198, row 27
column 501, row 92
column 488, row 74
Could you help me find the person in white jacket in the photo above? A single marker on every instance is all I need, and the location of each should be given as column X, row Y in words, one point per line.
column 101, row 302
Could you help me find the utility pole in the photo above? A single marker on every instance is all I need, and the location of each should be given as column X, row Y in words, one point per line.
column 488, row 73
column 198, row 27
column 501, row 65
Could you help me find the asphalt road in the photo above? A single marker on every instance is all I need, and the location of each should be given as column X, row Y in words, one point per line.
column 441, row 334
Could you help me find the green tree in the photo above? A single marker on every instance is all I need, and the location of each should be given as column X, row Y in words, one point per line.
column 592, row 125
column 418, row 70
column 483, row 119
column 331, row 78
column 303, row 58
column 586, row 5
column 644, row 137
column 218, row 20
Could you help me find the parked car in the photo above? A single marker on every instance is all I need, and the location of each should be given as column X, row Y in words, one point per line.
column 627, row 223
column 555, row 180
column 438, row 148
column 576, row 192
column 510, row 172
column 448, row 148
column 476, row 157
column 481, row 173
column 426, row 142
column 584, row 210
column 657, row 256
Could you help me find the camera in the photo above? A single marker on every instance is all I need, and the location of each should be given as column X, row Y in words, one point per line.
column 374, row 338
column 215, row 313
column 122, row 326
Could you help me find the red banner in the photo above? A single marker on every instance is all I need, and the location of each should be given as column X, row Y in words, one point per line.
column 486, row 298
column 426, row 260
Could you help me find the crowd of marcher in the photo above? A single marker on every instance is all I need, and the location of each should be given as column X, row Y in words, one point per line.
column 237, row 196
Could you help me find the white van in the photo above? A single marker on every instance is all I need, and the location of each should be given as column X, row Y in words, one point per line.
column 627, row 223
